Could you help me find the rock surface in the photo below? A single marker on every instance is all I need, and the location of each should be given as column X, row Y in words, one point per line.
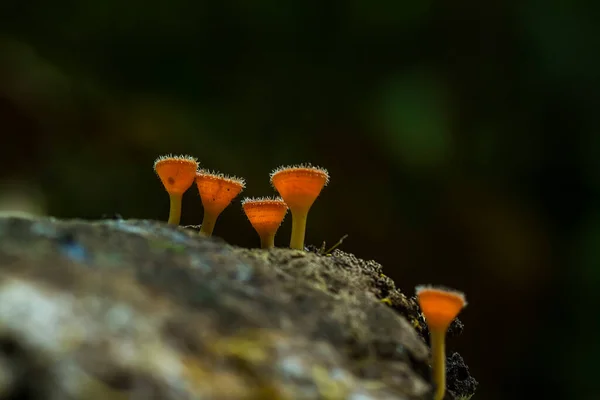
column 116, row 309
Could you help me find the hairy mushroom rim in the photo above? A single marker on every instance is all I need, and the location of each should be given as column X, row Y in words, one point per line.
column 216, row 191
column 177, row 174
column 266, row 215
column 299, row 186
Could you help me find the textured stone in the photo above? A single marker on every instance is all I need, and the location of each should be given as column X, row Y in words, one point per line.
column 142, row 310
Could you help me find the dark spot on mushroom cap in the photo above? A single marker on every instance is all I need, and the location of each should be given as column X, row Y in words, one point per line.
column 171, row 180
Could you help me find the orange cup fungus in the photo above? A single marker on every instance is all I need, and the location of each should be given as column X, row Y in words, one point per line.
column 299, row 186
column 265, row 215
column 177, row 174
column 216, row 191
column 440, row 307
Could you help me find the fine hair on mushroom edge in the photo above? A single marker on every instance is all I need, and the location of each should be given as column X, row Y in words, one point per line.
column 177, row 174
column 216, row 192
column 299, row 186
column 265, row 215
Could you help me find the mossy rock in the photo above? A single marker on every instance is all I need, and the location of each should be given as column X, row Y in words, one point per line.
column 143, row 310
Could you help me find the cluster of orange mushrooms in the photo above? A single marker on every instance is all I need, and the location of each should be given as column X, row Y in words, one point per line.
column 298, row 186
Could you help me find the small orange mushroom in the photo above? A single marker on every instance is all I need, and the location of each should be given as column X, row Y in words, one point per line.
column 216, row 191
column 177, row 174
column 299, row 186
column 265, row 214
column 439, row 306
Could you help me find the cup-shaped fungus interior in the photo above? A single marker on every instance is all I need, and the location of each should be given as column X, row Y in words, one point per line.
column 265, row 214
column 217, row 190
column 177, row 173
column 299, row 186
column 440, row 306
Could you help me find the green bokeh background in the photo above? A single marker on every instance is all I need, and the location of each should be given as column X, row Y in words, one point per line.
column 462, row 139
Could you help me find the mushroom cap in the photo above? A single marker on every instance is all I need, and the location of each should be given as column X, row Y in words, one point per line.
column 440, row 305
column 299, row 185
column 265, row 213
column 217, row 190
column 177, row 173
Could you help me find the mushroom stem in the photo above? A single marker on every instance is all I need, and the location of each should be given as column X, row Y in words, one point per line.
column 175, row 208
column 216, row 192
column 265, row 215
column 177, row 174
column 298, row 229
column 208, row 223
column 439, row 307
column 299, row 186
column 267, row 241
column 438, row 356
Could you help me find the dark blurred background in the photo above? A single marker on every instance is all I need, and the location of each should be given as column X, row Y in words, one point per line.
column 461, row 138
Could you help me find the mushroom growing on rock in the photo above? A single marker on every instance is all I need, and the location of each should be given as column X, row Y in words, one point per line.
column 439, row 306
column 216, row 191
column 299, row 186
column 265, row 214
column 177, row 174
